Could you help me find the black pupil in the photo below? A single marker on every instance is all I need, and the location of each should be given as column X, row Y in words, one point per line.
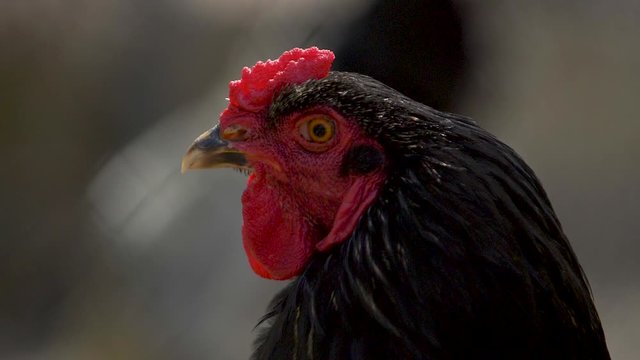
column 319, row 130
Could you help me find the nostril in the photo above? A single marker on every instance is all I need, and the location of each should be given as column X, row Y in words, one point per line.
column 234, row 133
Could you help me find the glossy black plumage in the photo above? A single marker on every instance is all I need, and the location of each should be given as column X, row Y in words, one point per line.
column 460, row 257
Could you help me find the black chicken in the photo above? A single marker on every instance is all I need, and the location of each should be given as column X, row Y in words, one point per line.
column 413, row 233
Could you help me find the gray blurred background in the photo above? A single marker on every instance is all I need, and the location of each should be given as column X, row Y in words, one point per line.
column 107, row 252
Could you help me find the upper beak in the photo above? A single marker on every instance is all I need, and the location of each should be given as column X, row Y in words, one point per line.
column 210, row 151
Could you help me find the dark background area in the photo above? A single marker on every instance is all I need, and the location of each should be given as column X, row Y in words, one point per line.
column 107, row 252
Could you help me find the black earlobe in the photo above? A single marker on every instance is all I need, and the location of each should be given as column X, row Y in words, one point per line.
column 360, row 160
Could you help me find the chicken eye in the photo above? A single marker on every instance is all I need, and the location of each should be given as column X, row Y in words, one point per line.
column 317, row 129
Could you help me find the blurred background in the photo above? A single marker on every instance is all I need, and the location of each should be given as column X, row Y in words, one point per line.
column 107, row 252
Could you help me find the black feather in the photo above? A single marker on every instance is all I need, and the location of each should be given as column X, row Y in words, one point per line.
column 460, row 257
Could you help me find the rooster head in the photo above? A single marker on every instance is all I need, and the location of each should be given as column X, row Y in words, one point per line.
column 313, row 170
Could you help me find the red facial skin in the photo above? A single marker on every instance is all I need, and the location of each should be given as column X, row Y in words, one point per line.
column 297, row 201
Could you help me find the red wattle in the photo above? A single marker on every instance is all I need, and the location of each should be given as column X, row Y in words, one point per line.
column 277, row 239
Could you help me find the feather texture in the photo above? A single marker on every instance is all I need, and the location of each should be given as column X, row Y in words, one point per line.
column 460, row 257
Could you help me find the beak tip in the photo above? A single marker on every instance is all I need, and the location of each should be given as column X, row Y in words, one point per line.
column 185, row 165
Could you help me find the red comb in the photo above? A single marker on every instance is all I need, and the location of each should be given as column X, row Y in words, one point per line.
column 258, row 84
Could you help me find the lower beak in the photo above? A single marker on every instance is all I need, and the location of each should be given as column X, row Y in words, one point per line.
column 210, row 151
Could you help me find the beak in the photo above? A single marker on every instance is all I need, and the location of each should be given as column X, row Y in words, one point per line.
column 210, row 151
